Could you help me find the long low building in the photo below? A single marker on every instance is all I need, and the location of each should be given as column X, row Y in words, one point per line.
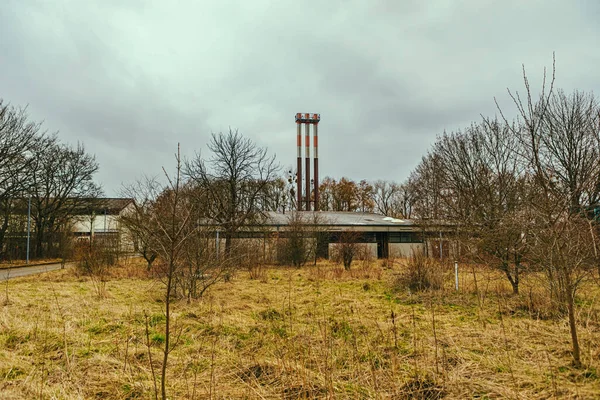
column 100, row 217
column 382, row 236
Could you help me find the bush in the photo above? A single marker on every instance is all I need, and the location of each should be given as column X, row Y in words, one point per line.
column 349, row 248
column 420, row 273
column 252, row 256
column 295, row 250
column 94, row 259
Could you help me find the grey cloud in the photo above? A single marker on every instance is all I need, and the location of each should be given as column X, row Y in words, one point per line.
column 131, row 79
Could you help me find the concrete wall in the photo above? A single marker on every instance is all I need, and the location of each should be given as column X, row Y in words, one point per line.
column 399, row 250
column 258, row 248
column 99, row 223
column 365, row 250
column 268, row 248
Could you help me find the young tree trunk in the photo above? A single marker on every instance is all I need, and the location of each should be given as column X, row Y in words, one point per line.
column 573, row 326
column 515, row 287
column 515, row 282
column 2, row 234
column 3, row 229
column 228, row 237
column 39, row 242
column 149, row 259
column 513, row 278
column 163, row 372
column 50, row 245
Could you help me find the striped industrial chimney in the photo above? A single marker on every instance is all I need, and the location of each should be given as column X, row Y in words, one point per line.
column 316, row 160
column 304, row 199
column 307, row 169
column 299, row 166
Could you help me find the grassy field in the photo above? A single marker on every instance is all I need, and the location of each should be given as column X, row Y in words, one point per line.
column 316, row 332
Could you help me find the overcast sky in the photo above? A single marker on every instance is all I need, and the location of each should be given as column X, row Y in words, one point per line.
column 132, row 78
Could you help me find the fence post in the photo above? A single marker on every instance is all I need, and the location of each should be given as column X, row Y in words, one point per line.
column 441, row 247
column 456, row 275
column 217, row 245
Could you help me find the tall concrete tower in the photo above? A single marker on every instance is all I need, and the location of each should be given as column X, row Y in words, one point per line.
column 304, row 199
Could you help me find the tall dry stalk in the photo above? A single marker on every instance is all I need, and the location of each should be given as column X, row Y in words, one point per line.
column 507, row 347
column 149, row 348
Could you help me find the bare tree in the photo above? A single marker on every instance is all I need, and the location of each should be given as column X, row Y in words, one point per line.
column 566, row 252
column 365, row 196
column 326, row 193
column 517, row 191
column 276, row 196
column 385, row 193
column 61, row 185
column 403, row 205
column 233, row 180
column 170, row 222
column 559, row 134
column 344, row 195
column 174, row 225
column 20, row 139
column 166, row 221
column 296, row 245
column 532, row 115
column 138, row 222
column 568, row 148
column 299, row 242
column 393, row 199
column 203, row 265
column 480, row 185
column 427, row 186
column 349, row 248
column 492, row 195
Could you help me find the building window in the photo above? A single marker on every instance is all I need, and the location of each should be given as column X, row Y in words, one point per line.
column 404, row 237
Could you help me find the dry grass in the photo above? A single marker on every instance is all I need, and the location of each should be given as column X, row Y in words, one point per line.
column 316, row 332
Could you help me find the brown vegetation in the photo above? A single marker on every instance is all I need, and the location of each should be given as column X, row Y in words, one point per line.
column 316, row 332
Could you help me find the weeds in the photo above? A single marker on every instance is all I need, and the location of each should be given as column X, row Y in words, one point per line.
column 94, row 261
column 346, row 342
column 420, row 273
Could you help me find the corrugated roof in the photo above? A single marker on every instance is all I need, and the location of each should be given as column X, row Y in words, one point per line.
column 100, row 205
column 82, row 206
column 340, row 218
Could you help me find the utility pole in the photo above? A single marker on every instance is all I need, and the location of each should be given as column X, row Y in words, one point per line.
column 217, row 244
column 441, row 247
column 28, row 225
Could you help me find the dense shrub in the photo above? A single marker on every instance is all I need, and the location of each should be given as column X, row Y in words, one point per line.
column 420, row 273
column 93, row 259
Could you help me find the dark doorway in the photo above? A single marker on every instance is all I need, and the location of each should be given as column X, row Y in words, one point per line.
column 323, row 240
column 382, row 244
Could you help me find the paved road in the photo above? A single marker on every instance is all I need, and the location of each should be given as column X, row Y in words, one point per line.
column 24, row 271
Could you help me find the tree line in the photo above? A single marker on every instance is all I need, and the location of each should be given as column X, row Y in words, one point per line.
column 53, row 182
column 43, row 177
column 522, row 193
column 381, row 196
